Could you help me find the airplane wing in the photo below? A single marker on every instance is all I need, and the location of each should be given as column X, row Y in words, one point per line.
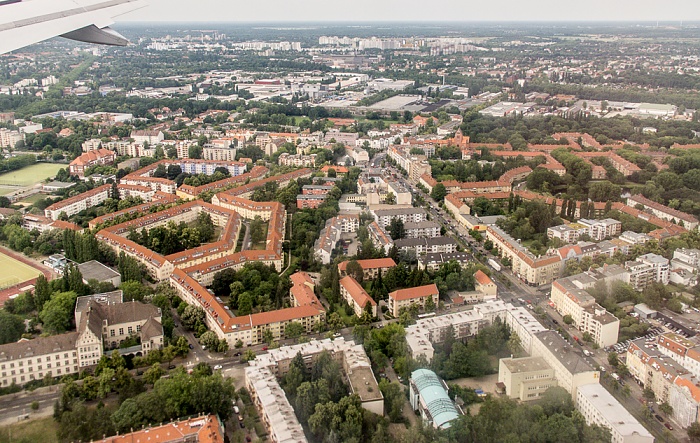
column 24, row 22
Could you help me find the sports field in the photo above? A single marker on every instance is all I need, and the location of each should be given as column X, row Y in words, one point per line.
column 13, row 272
column 30, row 175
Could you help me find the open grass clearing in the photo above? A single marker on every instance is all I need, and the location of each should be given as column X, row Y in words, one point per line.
column 30, row 175
column 39, row 430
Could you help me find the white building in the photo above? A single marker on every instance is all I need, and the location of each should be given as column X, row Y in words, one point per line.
column 599, row 407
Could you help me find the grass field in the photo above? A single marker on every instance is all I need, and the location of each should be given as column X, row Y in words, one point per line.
column 42, row 429
column 33, row 199
column 14, row 271
column 30, row 175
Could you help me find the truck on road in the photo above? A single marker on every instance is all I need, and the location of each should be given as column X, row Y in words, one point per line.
column 494, row 264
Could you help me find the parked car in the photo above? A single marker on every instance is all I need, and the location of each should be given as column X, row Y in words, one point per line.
column 218, row 367
column 191, row 347
column 668, row 426
column 658, row 417
column 264, row 348
column 237, row 354
column 236, row 410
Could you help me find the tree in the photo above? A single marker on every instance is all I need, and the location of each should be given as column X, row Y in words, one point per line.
column 397, row 229
column 666, row 408
column 613, row 360
column 648, row 394
column 11, row 327
column 153, row 374
column 390, row 199
column 293, row 330
column 394, row 399
column 335, row 322
column 57, row 313
column 439, row 192
column 210, row 340
column 694, row 432
column 268, row 337
column 248, row 355
column 354, row 270
column 568, row 319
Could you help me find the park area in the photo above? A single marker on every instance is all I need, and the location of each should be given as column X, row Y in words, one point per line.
column 28, row 176
column 15, row 272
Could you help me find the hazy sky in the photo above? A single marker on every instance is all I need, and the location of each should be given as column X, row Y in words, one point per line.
column 404, row 10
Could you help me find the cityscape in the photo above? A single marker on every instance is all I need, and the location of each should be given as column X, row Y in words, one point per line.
column 347, row 231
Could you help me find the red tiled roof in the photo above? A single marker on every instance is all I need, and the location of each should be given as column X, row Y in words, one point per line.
column 356, row 291
column 417, row 292
column 372, row 263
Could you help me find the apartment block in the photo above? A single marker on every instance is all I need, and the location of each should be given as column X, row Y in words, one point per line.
column 569, row 297
column 355, row 295
column 404, row 298
column 599, row 407
column 371, row 268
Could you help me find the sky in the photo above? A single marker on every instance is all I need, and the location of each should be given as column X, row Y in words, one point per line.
column 413, row 10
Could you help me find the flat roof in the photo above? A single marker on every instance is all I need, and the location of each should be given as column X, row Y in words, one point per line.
column 617, row 417
column 96, row 270
column 525, row 364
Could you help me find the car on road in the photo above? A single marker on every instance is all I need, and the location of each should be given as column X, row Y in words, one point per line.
column 554, row 320
column 191, row 347
column 218, row 367
column 658, row 417
column 264, row 348
column 668, row 426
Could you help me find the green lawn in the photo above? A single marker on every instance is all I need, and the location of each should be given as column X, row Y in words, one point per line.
column 33, row 199
column 43, row 429
column 15, row 271
column 30, row 175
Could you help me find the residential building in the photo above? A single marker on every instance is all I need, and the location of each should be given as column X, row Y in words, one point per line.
column 525, row 378
column 74, row 205
column 428, row 396
column 688, row 221
column 484, row 284
column 9, row 138
column 421, row 336
column 684, row 398
column 570, row 369
column 331, row 233
column 407, row 215
column 355, row 365
column 433, row 261
column 201, row 429
column 371, row 268
column 567, row 233
column 640, row 275
column 659, row 264
column 600, row 229
column 570, row 298
column 599, row 407
column 404, row 298
column 533, row 270
column 91, row 158
column 425, row 229
column 356, row 296
column 421, row 246
column 150, row 137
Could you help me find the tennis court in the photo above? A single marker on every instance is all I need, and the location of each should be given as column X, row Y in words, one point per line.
column 13, row 272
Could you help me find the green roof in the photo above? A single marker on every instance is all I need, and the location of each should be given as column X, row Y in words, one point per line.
column 434, row 395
